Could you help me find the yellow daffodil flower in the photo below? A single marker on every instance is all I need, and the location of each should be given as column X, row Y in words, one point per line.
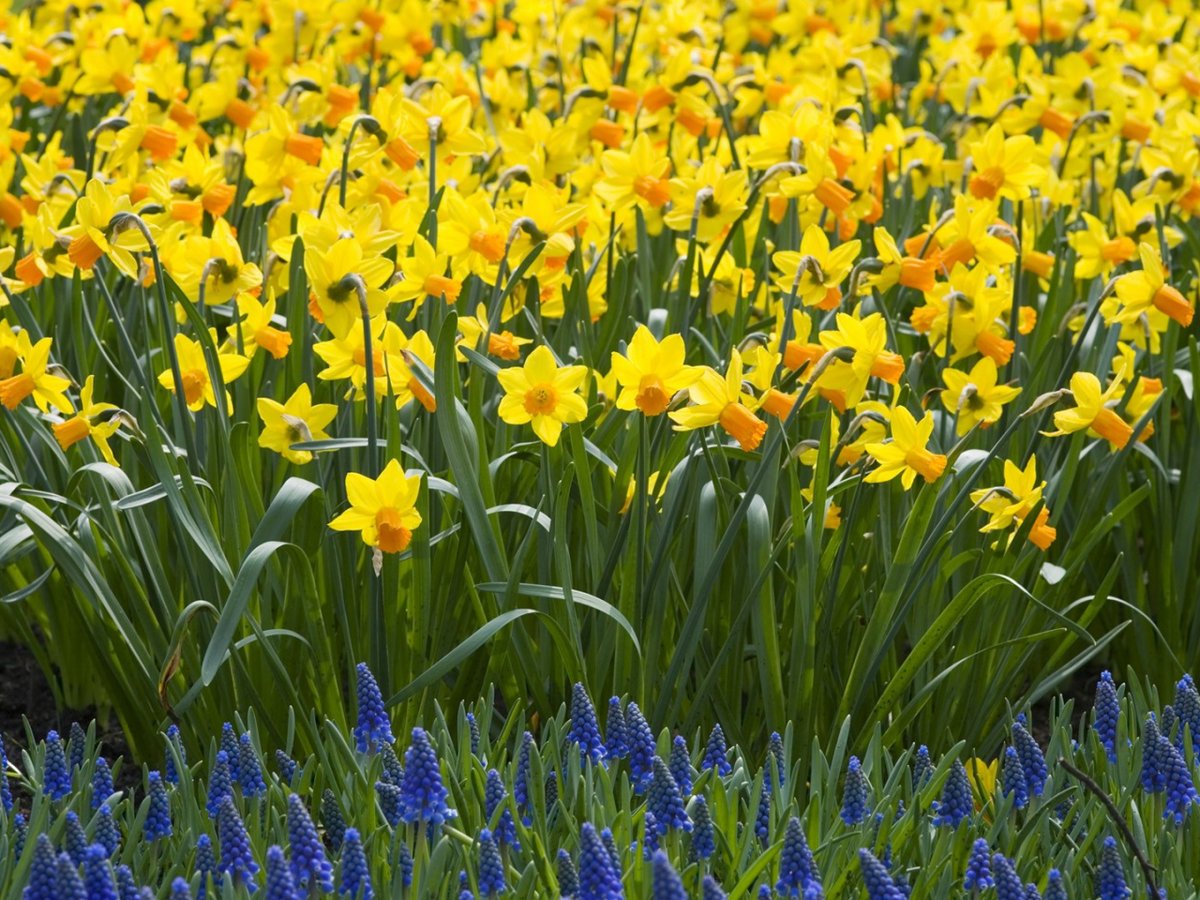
column 296, row 420
column 383, row 510
column 906, row 454
column 651, row 372
column 542, row 394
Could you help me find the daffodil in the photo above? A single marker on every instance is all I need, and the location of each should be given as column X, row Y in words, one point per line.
column 216, row 264
column 500, row 344
column 95, row 420
column 198, row 389
column 92, row 236
column 425, row 275
column 1095, row 252
column 1011, row 503
column 1004, row 166
column 651, row 372
column 820, row 268
column 345, row 357
column 543, row 394
column 723, row 401
column 336, row 275
column 709, row 197
column 637, row 177
column 975, row 397
column 296, row 420
column 971, row 235
column 35, row 380
column 867, row 337
column 408, row 386
column 383, row 510
column 1147, row 288
column 1094, row 412
column 257, row 328
column 906, row 454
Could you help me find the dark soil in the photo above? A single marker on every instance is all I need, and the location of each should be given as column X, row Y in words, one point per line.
column 26, row 694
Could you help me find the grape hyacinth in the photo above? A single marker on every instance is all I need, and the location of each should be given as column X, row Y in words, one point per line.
column 76, row 745
column 43, row 871
column 876, row 879
column 19, row 835
column 56, row 777
column 374, row 727
column 856, row 794
column 422, row 793
column 665, row 883
column 180, row 890
column 127, row 888
column 798, row 875
column 473, row 732
column 391, row 802
column 979, row 869
column 550, row 793
column 393, row 769
column 332, row 820
column 494, row 795
column 762, row 817
column 1033, row 761
column 597, row 878
column 776, row 765
column 68, row 886
column 1008, row 884
column 356, row 878
column 1107, row 712
column 1110, row 874
column 710, row 890
column 175, row 743
column 1012, row 777
column 250, row 769
column 220, row 784
column 681, row 765
column 649, row 835
column 404, row 862
column 585, row 729
column 6, row 800
column 616, row 741
column 715, row 753
column 956, row 803
column 106, row 833
column 280, row 883
column 310, row 868
column 237, row 859
column 664, row 800
column 232, row 750
column 1153, row 778
column 610, row 844
column 98, row 875
column 704, row 843
column 102, row 783
column 922, row 767
column 158, row 819
column 1055, row 890
column 491, row 868
column 286, row 767
column 641, row 747
column 75, row 841
column 1177, row 780
column 206, row 865
column 523, row 773
column 568, row 877
column 1187, row 708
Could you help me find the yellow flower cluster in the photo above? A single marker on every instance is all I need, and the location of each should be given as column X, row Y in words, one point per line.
column 866, row 205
